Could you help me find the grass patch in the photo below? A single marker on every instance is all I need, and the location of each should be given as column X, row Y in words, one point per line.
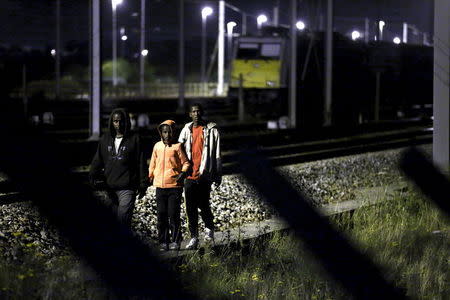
column 409, row 237
column 406, row 237
column 35, row 277
column 270, row 268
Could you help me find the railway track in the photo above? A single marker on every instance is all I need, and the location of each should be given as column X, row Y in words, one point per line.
column 313, row 150
column 291, row 152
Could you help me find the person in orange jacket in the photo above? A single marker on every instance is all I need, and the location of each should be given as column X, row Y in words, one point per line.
column 167, row 171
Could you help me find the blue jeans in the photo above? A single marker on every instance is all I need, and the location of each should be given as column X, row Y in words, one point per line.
column 121, row 202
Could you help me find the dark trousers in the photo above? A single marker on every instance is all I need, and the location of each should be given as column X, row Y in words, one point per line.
column 121, row 203
column 168, row 205
column 197, row 197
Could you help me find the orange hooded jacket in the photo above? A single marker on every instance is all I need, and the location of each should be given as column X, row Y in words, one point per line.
column 167, row 162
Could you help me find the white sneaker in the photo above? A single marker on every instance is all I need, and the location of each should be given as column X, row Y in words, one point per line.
column 193, row 244
column 174, row 246
column 209, row 235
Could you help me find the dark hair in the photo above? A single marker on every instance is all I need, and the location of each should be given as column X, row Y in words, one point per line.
column 196, row 104
column 125, row 117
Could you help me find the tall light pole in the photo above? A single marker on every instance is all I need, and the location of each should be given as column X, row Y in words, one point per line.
column 181, row 100
column 58, row 49
column 206, row 11
column 244, row 24
column 276, row 10
column 221, row 48
column 292, row 108
column 366, row 30
column 230, row 26
column 405, row 33
column 142, row 56
column 441, row 83
column 114, row 39
column 327, row 114
column 96, row 69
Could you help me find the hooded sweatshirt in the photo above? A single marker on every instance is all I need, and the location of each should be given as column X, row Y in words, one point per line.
column 167, row 161
column 124, row 168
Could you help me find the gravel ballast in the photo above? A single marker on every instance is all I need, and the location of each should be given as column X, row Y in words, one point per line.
column 234, row 203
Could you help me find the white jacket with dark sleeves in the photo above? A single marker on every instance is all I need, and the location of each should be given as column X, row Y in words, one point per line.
column 211, row 163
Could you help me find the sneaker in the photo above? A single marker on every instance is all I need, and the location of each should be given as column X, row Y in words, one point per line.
column 163, row 247
column 193, row 244
column 209, row 235
column 174, row 246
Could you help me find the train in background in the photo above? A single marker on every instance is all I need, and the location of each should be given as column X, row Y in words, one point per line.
column 401, row 75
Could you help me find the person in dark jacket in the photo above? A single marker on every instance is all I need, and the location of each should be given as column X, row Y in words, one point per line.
column 119, row 166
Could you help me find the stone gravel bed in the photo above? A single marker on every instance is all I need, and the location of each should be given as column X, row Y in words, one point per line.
column 233, row 203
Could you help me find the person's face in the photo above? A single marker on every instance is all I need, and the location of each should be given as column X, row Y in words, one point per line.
column 118, row 123
column 166, row 134
column 196, row 114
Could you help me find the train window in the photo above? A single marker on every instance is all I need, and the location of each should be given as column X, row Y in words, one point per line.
column 248, row 46
column 270, row 50
column 259, row 51
column 248, row 51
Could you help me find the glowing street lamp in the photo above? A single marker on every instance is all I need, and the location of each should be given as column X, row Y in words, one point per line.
column 300, row 25
column 260, row 20
column 144, row 52
column 355, row 35
column 381, row 25
column 397, row 40
column 114, row 38
column 230, row 26
column 53, row 52
column 206, row 12
column 124, row 38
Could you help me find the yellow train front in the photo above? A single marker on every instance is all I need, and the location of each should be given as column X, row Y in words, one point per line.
column 258, row 69
column 260, row 66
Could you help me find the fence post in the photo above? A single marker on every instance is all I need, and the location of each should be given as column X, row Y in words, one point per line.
column 376, row 112
column 24, row 91
column 241, row 111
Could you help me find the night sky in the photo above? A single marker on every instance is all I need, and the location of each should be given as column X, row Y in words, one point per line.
column 31, row 23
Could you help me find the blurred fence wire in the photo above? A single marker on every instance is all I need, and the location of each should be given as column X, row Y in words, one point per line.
column 36, row 164
column 128, row 266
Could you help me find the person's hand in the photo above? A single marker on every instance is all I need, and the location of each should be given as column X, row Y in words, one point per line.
column 180, row 177
column 99, row 184
column 142, row 191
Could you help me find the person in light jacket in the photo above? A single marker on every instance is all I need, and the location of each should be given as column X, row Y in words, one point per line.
column 167, row 170
column 201, row 141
